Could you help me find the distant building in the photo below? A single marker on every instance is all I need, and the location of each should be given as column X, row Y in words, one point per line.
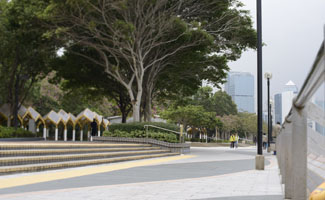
column 278, row 108
column 283, row 101
column 240, row 86
column 291, row 86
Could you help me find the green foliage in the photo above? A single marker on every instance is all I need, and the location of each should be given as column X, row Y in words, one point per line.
column 25, row 53
column 222, row 104
column 139, row 126
column 173, row 44
column 162, row 136
column 9, row 132
column 88, row 84
column 190, row 115
column 45, row 97
column 219, row 102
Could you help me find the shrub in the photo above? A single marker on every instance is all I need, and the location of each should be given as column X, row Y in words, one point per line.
column 10, row 132
column 128, row 127
column 162, row 136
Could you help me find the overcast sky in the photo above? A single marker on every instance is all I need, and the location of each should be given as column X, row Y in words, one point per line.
column 293, row 31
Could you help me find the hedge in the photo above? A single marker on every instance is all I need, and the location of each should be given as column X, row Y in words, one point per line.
column 136, row 126
column 10, row 132
column 167, row 137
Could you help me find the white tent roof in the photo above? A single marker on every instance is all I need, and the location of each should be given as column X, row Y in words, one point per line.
column 53, row 116
column 22, row 111
column 86, row 115
column 72, row 117
column 33, row 113
column 98, row 117
column 106, row 122
column 64, row 116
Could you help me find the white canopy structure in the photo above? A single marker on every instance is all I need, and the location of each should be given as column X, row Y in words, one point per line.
column 61, row 118
column 21, row 112
column 5, row 113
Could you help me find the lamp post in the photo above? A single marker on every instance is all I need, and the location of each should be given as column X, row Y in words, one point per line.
column 259, row 160
column 268, row 76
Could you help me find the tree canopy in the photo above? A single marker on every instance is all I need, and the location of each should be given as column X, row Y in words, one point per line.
column 25, row 53
column 136, row 41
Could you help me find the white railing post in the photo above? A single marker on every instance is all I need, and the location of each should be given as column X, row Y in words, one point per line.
column 288, row 165
column 299, row 153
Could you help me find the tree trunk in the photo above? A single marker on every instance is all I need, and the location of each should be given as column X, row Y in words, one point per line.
column 8, row 121
column 16, row 101
column 217, row 134
column 137, row 106
column 147, row 110
column 147, row 102
column 124, row 116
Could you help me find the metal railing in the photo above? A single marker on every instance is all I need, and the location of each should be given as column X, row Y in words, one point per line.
column 179, row 134
column 300, row 149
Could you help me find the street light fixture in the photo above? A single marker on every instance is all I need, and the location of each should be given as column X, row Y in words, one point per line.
column 268, row 76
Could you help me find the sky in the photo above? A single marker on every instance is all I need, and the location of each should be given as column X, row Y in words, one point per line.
column 293, row 31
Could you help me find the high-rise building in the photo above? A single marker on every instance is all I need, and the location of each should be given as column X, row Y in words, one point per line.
column 283, row 101
column 240, row 86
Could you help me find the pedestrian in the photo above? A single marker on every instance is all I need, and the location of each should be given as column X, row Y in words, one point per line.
column 232, row 140
column 93, row 129
column 264, row 140
column 236, row 140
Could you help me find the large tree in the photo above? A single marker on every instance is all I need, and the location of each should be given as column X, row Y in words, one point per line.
column 136, row 40
column 24, row 51
column 80, row 74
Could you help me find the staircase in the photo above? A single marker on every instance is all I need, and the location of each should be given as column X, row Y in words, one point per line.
column 18, row 157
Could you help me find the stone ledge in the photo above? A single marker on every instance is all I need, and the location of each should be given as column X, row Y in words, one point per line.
column 174, row 147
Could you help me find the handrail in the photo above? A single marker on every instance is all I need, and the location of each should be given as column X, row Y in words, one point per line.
column 157, row 127
column 314, row 79
column 292, row 144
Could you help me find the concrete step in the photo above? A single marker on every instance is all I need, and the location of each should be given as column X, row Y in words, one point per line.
column 10, row 161
column 68, row 145
column 47, row 166
column 38, row 152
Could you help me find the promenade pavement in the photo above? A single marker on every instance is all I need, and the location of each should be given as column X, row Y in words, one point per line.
column 207, row 173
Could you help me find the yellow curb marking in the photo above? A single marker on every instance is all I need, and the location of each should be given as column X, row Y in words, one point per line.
column 38, row 178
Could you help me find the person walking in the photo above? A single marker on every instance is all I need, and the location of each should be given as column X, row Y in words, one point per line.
column 236, row 140
column 264, row 139
column 232, row 140
column 93, row 129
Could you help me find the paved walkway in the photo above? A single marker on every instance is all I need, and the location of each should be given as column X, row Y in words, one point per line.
column 206, row 173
